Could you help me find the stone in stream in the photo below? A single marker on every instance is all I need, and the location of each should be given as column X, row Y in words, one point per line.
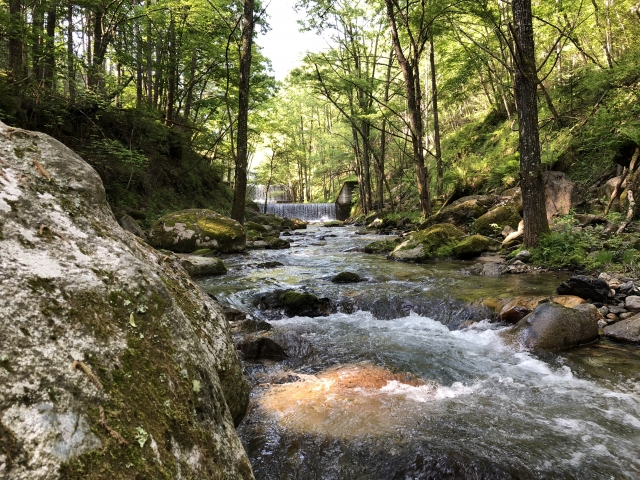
column 260, row 346
column 189, row 230
column 382, row 246
column 589, row 288
column 627, row 330
column 106, row 343
column 269, row 265
column 294, row 224
column 632, row 303
column 347, row 277
column 435, row 241
column 197, row 266
column 275, row 243
column 472, row 246
column 551, row 326
column 294, row 303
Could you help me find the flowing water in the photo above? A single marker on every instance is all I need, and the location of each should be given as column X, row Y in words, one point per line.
column 303, row 211
column 407, row 381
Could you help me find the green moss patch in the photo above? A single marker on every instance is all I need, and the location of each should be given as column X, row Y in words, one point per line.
column 381, row 246
column 496, row 219
column 470, row 247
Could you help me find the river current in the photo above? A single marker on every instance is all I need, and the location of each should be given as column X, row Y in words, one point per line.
column 407, row 380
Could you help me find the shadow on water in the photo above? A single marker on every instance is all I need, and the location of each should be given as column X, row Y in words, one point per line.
column 388, row 386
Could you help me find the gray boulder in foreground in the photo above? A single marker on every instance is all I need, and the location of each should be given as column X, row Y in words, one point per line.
column 551, row 326
column 112, row 362
column 625, row 330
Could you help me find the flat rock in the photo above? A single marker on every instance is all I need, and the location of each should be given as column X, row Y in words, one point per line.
column 632, row 303
column 197, row 266
column 627, row 330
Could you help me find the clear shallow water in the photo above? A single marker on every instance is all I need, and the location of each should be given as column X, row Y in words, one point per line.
column 403, row 396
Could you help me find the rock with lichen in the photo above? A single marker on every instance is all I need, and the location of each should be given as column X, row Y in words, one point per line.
column 112, row 362
column 433, row 242
column 189, row 230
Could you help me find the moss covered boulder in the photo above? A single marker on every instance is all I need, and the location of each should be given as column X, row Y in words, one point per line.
column 471, row 246
column 189, row 230
column 382, row 246
column 114, row 364
column 275, row 243
column 294, row 224
column 435, row 241
column 494, row 221
column 462, row 212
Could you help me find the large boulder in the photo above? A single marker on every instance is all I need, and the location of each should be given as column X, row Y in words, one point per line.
column 381, row 246
column 560, row 193
column 189, row 230
column 624, row 331
column 551, row 326
column 462, row 212
column 113, row 364
column 435, row 241
column 589, row 288
column 471, row 246
column 495, row 220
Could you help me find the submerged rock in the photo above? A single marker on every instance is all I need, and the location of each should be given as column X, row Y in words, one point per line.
column 294, row 303
column 381, row 246
column 260, row 346
column 113, row 363
column 589, row 288
column 552, row 326
column 346, row 277
column 189, row 230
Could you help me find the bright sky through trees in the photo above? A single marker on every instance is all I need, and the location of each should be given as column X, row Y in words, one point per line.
column 284, row 44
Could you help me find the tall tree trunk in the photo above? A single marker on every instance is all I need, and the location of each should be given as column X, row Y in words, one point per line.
column 173, row 71
column 50, row 58
column 149, row 60
column 71, row 57
column 37, row 48
column 139, row 69
column 411, row 75
column 436, row 118
column 100, row 43
column 16, row 45
column 526, row 85
column 242, row 157
column 192, row 78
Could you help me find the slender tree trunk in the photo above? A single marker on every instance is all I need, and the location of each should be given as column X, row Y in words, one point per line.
column 192, row 78
column 149, row 60
column 16, row 45
column 526, row 85
column 172, row 72
column 436, row 118
column 240, row 189
column 37, row 48
column 411, row 75
column 71, row 71
column 50, row 59
column 139, row 66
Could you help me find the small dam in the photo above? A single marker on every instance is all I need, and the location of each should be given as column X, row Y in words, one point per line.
column 279, row 203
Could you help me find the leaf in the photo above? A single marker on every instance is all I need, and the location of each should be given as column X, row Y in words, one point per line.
column 132, row 321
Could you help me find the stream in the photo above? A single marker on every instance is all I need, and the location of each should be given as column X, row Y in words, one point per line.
column 409, row 381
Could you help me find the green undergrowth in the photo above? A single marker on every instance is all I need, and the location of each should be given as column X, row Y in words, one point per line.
column 572, row 247
column 148, row 168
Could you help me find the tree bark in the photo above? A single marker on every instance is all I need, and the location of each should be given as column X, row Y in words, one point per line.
column 242, row 157
column 71, row 71
column 16, row 46
column 50, row 59
column 436, row 118
column 526, row 85
column 411, row 75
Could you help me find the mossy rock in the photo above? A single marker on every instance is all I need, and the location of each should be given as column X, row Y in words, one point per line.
column 462, row 212
column 189, row 230
column 381, row 246
column 264, row 219
column 346, row 277
column 255, row 227
column 275, row 243
column 433, row 242
column 470, row 247
column 294, row 224
column 333, row 224
column 500, row 216
column 304, row 304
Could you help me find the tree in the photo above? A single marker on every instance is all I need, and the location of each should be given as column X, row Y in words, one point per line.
column 526, row 85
